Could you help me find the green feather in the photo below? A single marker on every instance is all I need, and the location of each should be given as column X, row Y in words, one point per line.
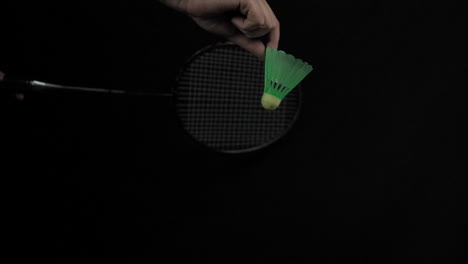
column 283, row 72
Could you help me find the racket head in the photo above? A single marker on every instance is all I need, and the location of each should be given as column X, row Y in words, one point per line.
column 217, row 99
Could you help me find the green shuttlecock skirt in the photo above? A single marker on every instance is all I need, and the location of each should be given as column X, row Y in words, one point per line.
column 283, row 72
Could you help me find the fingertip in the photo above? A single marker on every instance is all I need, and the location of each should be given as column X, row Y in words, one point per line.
column 256, row 47
column 274, row 38
column 272, row 45
column 238, row 22
column 261, row 57
column 260, row 52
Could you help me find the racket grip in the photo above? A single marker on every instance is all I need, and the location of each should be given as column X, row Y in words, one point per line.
column 14, row 86
column 20, row 86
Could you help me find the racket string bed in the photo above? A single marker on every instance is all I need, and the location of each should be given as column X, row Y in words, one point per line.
column 218, row 101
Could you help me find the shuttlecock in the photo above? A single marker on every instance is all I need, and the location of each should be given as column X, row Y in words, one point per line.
column 283, row 73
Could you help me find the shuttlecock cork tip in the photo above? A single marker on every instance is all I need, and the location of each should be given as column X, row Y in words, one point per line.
column 270, row 102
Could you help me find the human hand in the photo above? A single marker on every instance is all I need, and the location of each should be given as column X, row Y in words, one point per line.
column 247, row 23
column 19, row 96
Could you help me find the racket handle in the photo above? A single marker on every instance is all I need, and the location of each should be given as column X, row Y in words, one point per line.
column 20, row 86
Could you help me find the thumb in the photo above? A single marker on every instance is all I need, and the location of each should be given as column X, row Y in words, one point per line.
column 254, row 46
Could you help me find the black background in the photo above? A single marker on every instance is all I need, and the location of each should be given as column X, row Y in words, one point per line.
column 373, row 172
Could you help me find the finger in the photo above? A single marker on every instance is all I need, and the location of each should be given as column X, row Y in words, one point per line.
column 253, row 12
column 268, row 13
column 249, row 28
column 274, row 37
column 255, row 23
column 253, row 46
column 273, row 25
column 19, row 97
